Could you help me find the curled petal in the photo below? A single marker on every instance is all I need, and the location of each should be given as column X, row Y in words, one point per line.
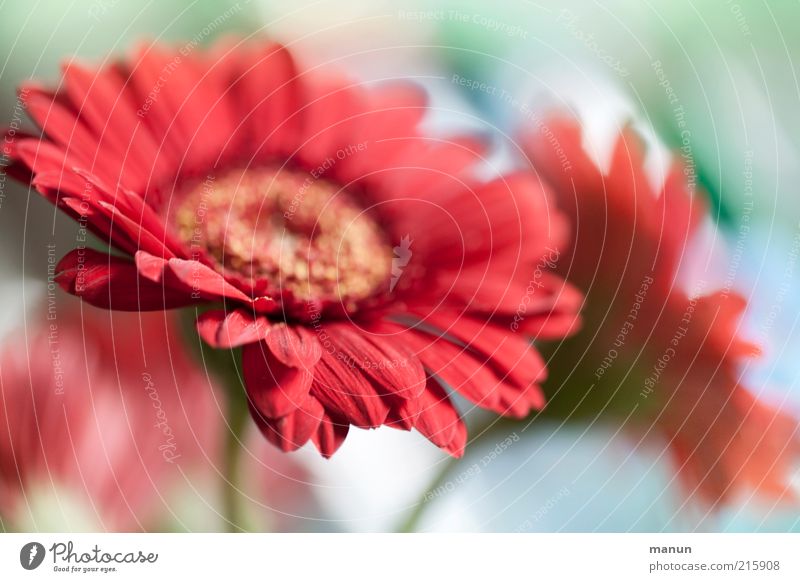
column 274, row 388
column 294, row 346
column 229, row 330
column 114, row 283
column 292, row 431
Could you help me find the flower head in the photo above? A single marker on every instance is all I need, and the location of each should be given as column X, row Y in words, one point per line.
column 665, row 356
column 279, row 196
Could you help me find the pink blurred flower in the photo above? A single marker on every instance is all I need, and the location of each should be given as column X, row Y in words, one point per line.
column 649, row 348
column 110, row 409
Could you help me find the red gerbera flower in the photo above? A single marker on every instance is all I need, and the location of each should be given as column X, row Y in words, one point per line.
column 666, row 356
column 359, row 262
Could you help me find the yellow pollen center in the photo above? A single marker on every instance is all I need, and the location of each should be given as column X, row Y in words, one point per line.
column 300, row 234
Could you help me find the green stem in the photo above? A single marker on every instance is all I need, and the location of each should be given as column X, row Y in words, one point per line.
column 237, row 419
column 484, row 431
column 412, row 521
column 225, row 365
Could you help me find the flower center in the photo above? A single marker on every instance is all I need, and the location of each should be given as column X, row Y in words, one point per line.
column 284, row 231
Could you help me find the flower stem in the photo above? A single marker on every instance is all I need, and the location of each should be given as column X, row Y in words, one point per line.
column 412, row 521
column 225, row 365
column 237, row 418
column 484, row 431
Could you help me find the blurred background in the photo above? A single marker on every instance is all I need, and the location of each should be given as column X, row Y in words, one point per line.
column 715, row 82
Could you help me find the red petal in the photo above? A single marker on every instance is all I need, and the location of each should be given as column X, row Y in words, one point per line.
column 105, row 103
column 329, row 436
column 114, row 283
column 203, row 280
column 229, row 330
column 511, row 357
column 295, row 346
column 440, row 422
column 292, row 431
column 330, row 118
column 344, row 391
column 455, row 365
column 194, row 109
column 267, row 87
column 274, row 388
column 391, row 369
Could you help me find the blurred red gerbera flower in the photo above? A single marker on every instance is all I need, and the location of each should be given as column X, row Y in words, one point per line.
column 664, row 355
column 110, row 411
column 91, row 408
column 358, row 261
